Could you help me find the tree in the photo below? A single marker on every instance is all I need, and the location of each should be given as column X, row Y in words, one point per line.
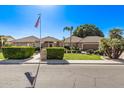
column 116, row 33
column 87, row 30
column 70, row 29
column 114, row 45
column 3, row 40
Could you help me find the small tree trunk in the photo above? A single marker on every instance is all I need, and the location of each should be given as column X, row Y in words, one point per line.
column 70, row 41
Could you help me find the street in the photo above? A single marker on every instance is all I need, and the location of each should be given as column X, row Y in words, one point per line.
column 63, row 76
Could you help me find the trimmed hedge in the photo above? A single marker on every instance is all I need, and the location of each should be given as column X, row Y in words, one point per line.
column 18, row 52
column 55, row 53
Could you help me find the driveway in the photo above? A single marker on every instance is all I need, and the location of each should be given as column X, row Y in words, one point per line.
column 63, row 76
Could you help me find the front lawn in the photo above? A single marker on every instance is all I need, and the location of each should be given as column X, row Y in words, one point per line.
column 81, row 57
column 1, row 56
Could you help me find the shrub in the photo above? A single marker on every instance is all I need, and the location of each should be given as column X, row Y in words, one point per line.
column 74, row 51
column 55, row 53
column 18, row 52
column 0, row 50
column 90, row 51
column 37, row 49
column 78, row 51
column 69, row 51
column 75, row 48
column 67, row 47
column 99, row 52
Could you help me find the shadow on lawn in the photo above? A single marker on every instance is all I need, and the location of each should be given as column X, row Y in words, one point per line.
column 57, row 62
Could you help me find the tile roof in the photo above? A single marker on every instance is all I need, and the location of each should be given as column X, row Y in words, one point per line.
column 74, row 39
column 27, row 39
column 91, row 39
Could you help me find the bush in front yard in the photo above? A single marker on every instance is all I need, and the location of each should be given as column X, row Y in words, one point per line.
column 17, row 52
column 55, row 53
column 99, row 52
column 90, row 51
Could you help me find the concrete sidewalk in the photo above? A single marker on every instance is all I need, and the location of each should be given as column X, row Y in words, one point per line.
column 36, row 59
column 116, row 62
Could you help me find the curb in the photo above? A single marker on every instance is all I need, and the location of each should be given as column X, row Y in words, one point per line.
column 15, row 63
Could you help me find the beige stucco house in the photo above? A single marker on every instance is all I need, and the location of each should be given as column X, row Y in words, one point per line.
column 50, row 42
column 89, row 42
column 6, row 39
column 35, row 42
column 26, row 41
column 76, row 41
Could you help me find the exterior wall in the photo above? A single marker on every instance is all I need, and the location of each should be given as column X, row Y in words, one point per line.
column 79, row 45
column 37, row 44
column 50, row 44
column 26, row 44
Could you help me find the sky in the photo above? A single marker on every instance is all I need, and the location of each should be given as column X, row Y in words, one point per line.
column 19, row 21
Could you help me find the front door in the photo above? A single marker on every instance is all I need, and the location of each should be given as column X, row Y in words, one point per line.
column 50, row 45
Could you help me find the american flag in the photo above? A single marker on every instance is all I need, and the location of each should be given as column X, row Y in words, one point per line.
column 37, row 22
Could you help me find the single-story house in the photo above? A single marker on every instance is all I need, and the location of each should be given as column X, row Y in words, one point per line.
column 89, row 42
column 35, row 42
column 7, row 39
column 75, row 41
column 49, row 42
column 26, row 41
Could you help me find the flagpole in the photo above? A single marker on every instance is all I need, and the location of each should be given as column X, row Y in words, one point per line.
column 40, row 35
column 34, row 83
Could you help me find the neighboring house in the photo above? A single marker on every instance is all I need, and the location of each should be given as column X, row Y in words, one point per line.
column 89, row 42
column 5, row 40
column 27, row 41
column 75, row 41
column 9, row 39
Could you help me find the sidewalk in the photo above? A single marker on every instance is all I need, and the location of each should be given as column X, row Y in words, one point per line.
column 36, row 59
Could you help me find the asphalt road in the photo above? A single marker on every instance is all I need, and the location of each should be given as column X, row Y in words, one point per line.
column 63, row 76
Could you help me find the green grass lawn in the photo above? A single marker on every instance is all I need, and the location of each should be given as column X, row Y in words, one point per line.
column 1, row 56
column 81, row 57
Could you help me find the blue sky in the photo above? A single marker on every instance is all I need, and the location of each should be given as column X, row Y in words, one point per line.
column 19, row 21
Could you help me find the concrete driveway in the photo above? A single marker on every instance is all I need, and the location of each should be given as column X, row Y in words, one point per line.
column 63, row 76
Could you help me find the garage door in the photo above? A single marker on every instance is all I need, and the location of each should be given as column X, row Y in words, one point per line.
column 90, row 46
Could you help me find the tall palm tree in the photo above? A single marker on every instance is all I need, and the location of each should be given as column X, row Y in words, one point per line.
column 70, row 29
column 63, row 41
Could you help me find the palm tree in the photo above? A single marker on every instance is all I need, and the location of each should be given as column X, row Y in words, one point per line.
column 3, row 40
column 116, row 33
column 113, row 46
column 63, row 41
column 70, row 29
